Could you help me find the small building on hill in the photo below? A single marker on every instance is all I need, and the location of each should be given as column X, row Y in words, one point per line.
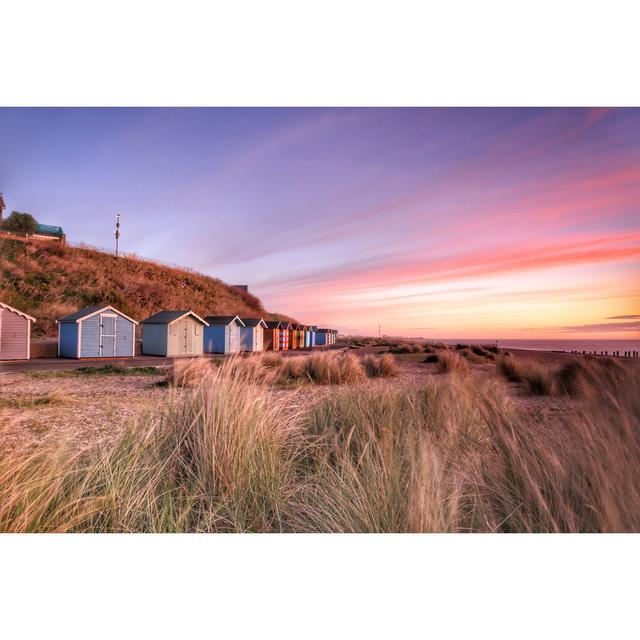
column 96, row 332
column 49, row 232
column 222, row 335
column 15, row 333
column 252, row 334
column 173, row 333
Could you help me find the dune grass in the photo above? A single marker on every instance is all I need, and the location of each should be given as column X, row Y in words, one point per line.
column 451, row 362
column 332, row 367
column 537, row 378
column 452, row 454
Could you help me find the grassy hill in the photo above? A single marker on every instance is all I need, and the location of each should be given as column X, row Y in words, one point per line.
column 49, row 281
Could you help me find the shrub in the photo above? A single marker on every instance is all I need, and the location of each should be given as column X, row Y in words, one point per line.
column 22, row 223
column 431, row 358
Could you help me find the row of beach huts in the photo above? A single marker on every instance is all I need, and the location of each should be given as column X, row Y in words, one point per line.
column 106, row 332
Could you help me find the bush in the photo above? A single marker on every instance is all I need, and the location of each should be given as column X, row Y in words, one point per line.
column 431, row 358
column 22, row 223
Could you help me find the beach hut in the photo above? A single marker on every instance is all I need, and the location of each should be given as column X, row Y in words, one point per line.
column 285, row 329
column 301, row 336
column 322, row 337
column 252, row 334
column 307, row 337
column 223, row 334
column 173, row 333
column 96, row 332
column 293, row 336
column 314, row 329
column 15, row 333
column 271, row 336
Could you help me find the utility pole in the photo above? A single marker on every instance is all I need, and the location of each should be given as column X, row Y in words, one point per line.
column 379, row 331
column 117, row 233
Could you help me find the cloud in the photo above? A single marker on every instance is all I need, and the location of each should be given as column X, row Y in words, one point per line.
column 604, row 326
column 629, row 317
column 370, row 274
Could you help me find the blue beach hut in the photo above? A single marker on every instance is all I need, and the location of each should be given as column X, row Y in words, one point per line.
column 223, row 334
column 96, row 332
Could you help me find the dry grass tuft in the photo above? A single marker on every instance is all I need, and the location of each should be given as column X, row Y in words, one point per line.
column 453, row 454
column 579, row 376
column 189, row 372
column 451, row 362
column 382, row 366
column 537, row 378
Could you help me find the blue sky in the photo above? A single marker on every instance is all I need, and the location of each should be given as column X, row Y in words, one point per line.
column 356, row 216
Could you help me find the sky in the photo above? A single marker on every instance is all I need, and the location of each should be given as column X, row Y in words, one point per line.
column 441, row 223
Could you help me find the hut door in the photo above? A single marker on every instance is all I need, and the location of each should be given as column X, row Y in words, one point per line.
column 107, row 336
column 234, row 337
column 185, row 335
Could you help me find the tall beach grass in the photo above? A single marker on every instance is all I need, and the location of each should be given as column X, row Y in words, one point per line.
column 228, row 453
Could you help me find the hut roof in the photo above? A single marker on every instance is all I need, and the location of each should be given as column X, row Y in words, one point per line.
column 254, row 322
column 167, row 317
column 87, row 312
column 20, row 313
column 223, row 320
column 274, row 324
column 49, row 230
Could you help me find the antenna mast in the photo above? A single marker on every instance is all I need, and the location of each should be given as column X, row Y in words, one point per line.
column 117, row 232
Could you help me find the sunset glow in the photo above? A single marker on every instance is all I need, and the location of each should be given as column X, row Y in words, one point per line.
column 442, row 223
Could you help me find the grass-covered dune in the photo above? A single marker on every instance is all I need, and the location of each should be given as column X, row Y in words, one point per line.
column 230, row 452
column 49, row 281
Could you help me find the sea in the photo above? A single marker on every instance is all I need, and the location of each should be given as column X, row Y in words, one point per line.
column 588, row 346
